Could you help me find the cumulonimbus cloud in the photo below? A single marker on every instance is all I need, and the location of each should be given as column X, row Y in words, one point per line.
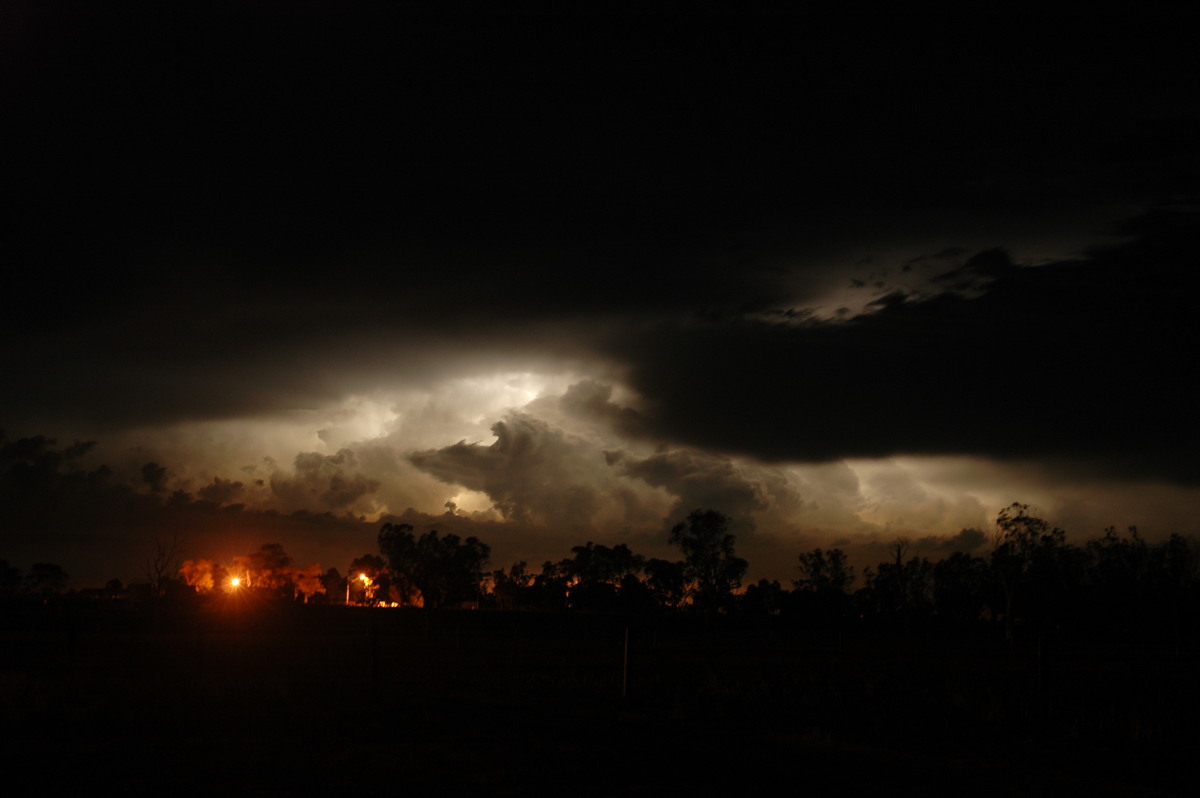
column 1076, row 360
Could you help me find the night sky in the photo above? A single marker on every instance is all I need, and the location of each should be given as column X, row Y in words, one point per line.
column 283, row 275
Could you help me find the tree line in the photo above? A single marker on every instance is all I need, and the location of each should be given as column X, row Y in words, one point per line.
column 1032, row 585
column 1032, row 582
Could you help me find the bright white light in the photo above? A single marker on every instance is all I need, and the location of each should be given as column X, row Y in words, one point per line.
column 471, row 501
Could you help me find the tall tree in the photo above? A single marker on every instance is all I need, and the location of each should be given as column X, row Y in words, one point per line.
column 10, row 579
column 711, row 567
column 596, row 573
column 510, row 587
column 269, row 568
column 823, row 571
column 163, row 564
column 595, row 563
column 307, row 581
column 902, row 590
column 823, row 590
column 961, row 588
column 203, row 576
column 443, row 570
column 667, row 580
column 367, row 579
column 45, row 580
column 1032, row 563
column 764, row 598
column 1176, row 573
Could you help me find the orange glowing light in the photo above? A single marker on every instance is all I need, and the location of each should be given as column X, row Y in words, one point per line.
column 366, row 580
column 235, row 582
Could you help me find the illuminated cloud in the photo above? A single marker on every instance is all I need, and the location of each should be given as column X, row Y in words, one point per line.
column 535, row 472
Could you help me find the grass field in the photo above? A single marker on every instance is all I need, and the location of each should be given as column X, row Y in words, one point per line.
column 300, row 700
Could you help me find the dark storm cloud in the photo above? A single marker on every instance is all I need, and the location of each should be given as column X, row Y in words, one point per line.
column 591, row 400
column 966, row 540
column 700, row 481
column 220, row 491
column 98, row 527
column 946, row 254
column 1081, row 360
column 335, row 481
column 979, row 271
column 37, row 474
column 155, row 477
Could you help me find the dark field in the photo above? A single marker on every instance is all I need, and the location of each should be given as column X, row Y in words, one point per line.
column 300, row 700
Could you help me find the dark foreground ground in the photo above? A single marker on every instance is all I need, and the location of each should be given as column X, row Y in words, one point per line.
column 330, row 700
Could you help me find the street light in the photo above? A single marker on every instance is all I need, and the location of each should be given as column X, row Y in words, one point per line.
column 234, row 598
column 366, row 580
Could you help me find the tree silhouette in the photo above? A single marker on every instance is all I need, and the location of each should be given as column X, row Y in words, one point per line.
column 1118, row 579
column 822, row 571
column 1177, row 571
column 335, row 585
column 667, row 580
column 549, row 588
column 596, row 573
column 1031, row 562
column 163, row 564
column 375, row 585
column 902, row 590
column 711, row 567
column 269, row 569
column 763, row 599
column 822, row 591
column 10, row 580
column 443, row 570
column 308, row 582
column 961, row 586
column 510, row 588
column 45, row 580
column 203, row 576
